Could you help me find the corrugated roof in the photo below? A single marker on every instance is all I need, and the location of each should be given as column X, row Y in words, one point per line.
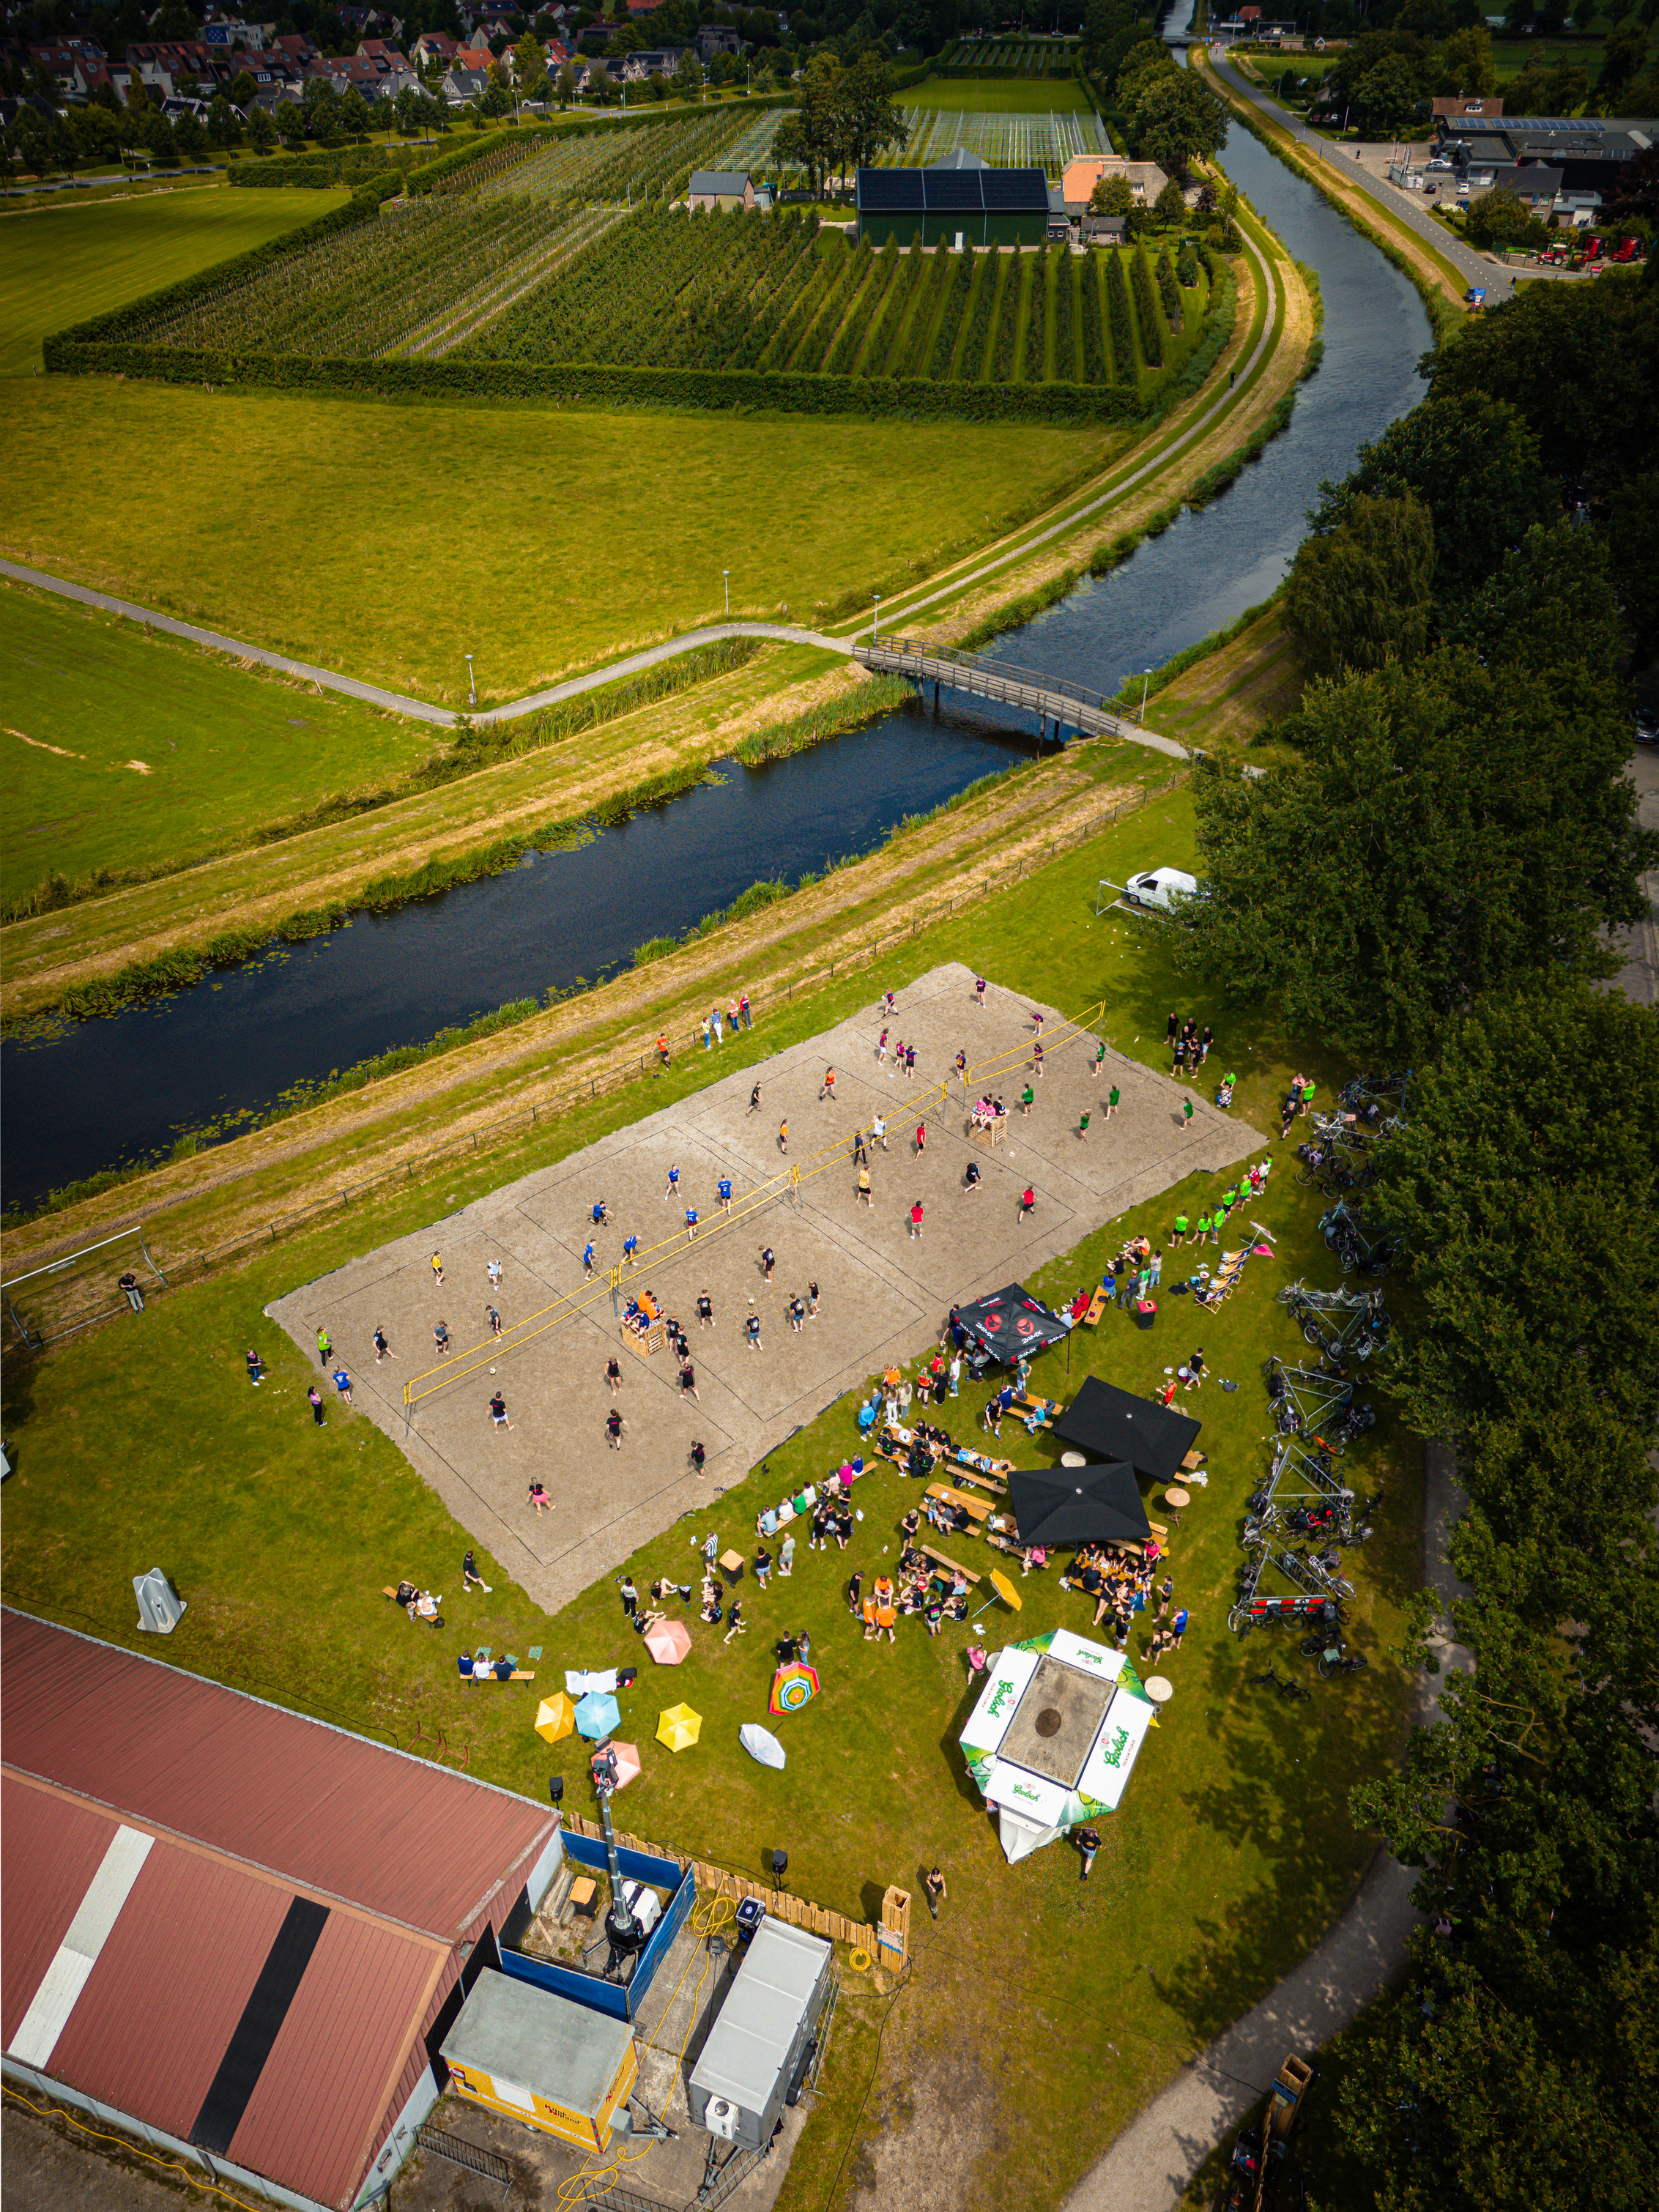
column 169, row 1991
column 371, row 1827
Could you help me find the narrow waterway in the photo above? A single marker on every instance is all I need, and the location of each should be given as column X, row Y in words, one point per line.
column 121, row 1089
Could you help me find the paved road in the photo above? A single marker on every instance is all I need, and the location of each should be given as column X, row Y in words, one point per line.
column 1150, row 2167
column 420, row 710
column 1403, row 207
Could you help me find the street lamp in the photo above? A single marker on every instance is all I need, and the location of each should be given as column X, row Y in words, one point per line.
column 726, row 576
column 1145, row 680
column 471, row 688
column 875, row 627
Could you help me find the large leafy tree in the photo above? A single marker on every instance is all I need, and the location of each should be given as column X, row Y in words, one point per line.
column 1362, row 593
column 1474, row 463
column 1448, row 829
column 1173, row 119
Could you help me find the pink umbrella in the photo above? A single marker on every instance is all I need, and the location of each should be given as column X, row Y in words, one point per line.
column 628, row 1762
column 668, row 1643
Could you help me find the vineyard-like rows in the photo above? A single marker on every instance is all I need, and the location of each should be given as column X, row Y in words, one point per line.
column 1007, row 142
column 652, row 163
column 663, row 291
column 1030, row 58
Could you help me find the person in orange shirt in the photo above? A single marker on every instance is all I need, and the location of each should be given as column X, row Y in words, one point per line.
column 886, row 1611
column 869, row 1611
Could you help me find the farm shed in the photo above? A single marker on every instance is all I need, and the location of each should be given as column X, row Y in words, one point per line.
column 239, row 1935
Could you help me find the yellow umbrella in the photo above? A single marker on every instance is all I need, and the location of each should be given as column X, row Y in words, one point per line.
column 556, row 1718
column 1006, row 1590
column 678, row 1726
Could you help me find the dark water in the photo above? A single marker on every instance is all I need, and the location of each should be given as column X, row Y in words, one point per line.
column 120, row 1089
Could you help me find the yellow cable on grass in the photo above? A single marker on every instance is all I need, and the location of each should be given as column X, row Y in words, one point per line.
column 193, row 2174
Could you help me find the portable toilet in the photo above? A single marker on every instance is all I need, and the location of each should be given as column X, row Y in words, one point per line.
column 762, row 2044
column 537, row 2058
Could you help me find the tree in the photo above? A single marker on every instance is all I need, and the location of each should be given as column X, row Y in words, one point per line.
column 1549, row 604
column 242, row 90
column 189, row 137
column 97, row 133
column 291, row 122
column 1449, row 829
column 1498, row 219
column 1169, row 209
column 1385, row 98
column 1633, row 545
column 1111, row 196
column 688, row 77
column 1473, row 463
column 1466, row 64
column 1579, row 364
column 155, row 136
column 529, row 62
column 1362, row 594
column 868, row 122
column 1622, row 56
column 1172, row 118
column 262, row 131
column 354, row 112
column 570, row 77
column 224, row 125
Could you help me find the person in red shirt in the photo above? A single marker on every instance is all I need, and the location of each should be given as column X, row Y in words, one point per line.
column 921, row 1138
column 916, row 1218
column 1027, row 1201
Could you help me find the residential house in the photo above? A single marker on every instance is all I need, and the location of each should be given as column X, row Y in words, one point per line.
column 1590, row 152
column 652, row 61
column 434, row 46
column 1534, row 184
column 1146, row 180
column 461, row 86
column 713, row 38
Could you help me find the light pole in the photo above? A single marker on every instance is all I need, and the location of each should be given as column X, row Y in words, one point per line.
column 875, row 627
column 1145, row 680
column 725, row 575
column 471, row 688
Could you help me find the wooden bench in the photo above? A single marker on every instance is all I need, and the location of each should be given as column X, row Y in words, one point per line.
column 982, row 1481
column 653, row 1339
column 932, row 1552
column 977, row 1506
column 1097, row 1305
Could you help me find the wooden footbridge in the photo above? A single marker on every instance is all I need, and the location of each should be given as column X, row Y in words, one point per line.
column 1069, row 707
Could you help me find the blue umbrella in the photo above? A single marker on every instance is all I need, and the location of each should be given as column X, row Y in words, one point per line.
column 597, row 1714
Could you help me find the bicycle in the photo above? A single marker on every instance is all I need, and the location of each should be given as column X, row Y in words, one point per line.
column 1286, row 1687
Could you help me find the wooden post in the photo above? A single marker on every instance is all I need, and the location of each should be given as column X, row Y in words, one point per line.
column 893, row 1938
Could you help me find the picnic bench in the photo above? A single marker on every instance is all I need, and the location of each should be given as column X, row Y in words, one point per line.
column 1097, row 1305
column 977, row 1506
column 932, row 1552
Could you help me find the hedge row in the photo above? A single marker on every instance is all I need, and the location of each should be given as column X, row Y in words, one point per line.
column 1117, row 316
column 79, row 353
column 1151, row 330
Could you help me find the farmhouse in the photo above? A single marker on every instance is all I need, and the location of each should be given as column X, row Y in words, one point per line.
column 722, row 189
column 957, row 202
column 1079, row 179
column 240, row 1934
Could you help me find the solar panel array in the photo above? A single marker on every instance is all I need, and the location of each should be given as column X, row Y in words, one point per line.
column 952, row 191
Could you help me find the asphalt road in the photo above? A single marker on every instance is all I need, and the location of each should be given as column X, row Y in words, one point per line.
column 1403, row 207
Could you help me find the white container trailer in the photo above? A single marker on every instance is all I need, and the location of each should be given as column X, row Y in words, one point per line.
column 759, row 2048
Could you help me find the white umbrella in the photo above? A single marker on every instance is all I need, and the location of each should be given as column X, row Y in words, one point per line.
column 760, row 1743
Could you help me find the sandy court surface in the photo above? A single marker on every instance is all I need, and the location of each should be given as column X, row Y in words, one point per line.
column 883, row 1295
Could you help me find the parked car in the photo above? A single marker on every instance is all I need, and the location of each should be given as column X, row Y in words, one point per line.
column 1161, row 889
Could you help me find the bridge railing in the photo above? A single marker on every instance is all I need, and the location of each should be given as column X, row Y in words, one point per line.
column 917, row 659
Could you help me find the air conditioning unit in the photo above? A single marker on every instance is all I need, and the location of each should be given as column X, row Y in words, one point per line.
column 720, row 2118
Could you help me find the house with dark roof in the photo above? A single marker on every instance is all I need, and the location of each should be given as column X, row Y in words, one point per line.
column 238, row 1934
column 719, row 191
column 953, row 204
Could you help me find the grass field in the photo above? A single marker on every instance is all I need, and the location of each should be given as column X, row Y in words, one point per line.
column 124, row 747
column 387, row 541
column 1040, row 2008
column 60, row 264
column 1033, row 95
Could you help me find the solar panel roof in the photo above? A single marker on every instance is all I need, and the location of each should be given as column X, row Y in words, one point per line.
column 890, row 191
column 1015, row 191
column 953, row 191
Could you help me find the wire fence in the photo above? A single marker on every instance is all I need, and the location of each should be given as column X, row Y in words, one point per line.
column 631, row 1063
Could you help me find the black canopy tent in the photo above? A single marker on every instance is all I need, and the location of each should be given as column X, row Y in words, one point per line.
column 1109, row 1424
column 1078, row 1505
column 1010, row 1324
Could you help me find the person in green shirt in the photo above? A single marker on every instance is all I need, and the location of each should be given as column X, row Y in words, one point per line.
column 1111, row 1102
column 1025, row 1098
column 1202, row 1230
column 1187, row 1108
column 1082, row 1126
column 1100, row 1056
column 1180, row 1235
column 1306, row 1096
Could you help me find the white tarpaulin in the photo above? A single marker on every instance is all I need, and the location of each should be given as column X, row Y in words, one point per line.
column 1092, row 1658
column 1010, row 1672
column 1109, row 1763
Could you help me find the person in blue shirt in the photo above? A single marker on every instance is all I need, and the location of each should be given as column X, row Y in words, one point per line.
column 587, row 1257
column 726, row 1193
column 690, row 1225
column 1178, row 1627
column 256, row 1367
column 343, row 1384
column 630, row 1249
column 601, row 1212
column 673, row 1183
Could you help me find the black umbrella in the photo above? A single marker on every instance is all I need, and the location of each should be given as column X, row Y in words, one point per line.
column 1011, row 1324
column 1078, row 1505
column 1109, row 1424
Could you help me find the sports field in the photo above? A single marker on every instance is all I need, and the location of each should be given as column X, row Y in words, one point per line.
column 62, row 263
column 388, row 541
column 126, row 749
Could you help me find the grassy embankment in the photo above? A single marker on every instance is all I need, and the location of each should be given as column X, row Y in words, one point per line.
column 63, row 261
column 1233, row 1851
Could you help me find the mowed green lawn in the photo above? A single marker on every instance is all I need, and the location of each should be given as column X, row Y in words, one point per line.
column 124, row 747
column 60, row 264
column 1041, row 2010
column 390, row 541
column 1027, row 95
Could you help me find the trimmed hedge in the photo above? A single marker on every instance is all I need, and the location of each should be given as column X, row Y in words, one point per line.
column 81, row 354
column 1151, row 329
